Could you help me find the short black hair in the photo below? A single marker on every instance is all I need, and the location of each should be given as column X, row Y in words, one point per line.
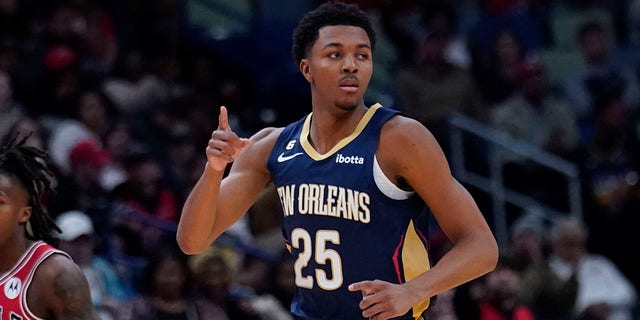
column 31, row 167
column 328, row 14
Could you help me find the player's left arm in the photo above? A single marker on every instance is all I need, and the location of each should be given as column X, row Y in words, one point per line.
column 64, row 289
column 409, row 155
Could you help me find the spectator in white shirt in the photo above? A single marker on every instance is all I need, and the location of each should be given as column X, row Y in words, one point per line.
column 603, row 291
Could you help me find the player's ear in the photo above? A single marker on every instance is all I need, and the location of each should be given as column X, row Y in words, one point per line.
column 305, row 69
column 25, row 214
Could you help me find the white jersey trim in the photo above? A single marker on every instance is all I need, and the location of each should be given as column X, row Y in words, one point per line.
column 24, row 304
column 386, row 186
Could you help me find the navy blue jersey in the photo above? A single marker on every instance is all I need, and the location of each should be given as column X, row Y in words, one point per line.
column 344, row 221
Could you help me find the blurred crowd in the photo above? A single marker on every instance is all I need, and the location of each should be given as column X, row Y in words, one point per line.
column 124, row 96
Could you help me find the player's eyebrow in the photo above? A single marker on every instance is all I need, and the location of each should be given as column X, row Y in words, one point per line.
column 337, row 44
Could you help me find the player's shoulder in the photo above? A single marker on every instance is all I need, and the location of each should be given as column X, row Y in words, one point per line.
column 262, row 143
column 58, row 261
column 267, row 134
column 402, row 133
column 265, row 139
column 401, row 128
column 58, row 270
column 57, row 281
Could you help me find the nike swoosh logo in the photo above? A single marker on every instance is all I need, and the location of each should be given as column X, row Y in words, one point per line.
column 283, row 158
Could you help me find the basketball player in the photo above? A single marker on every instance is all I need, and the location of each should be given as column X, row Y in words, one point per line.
column 36, row 280
column 353, row 183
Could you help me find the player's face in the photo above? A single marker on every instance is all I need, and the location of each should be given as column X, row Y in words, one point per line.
column 339, row 66
column 14, row 209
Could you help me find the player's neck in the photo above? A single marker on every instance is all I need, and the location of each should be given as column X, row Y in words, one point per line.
column 11, row 252
column 328, row 127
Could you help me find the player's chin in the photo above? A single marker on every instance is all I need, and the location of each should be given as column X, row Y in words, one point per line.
column 348, row 99
column 347, row 107
column 348, row 104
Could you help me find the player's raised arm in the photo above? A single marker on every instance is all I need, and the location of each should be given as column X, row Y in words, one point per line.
column 214, row 205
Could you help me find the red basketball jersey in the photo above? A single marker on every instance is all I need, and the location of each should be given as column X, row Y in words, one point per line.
column 14, row 283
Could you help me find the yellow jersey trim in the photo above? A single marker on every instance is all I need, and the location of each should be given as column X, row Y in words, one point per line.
column 315, row 155
column 415, row 260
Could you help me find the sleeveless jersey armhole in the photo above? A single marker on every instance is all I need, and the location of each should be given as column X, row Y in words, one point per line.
column 385, row 185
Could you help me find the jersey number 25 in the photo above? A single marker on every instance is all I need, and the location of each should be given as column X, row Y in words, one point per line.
column 302, row 240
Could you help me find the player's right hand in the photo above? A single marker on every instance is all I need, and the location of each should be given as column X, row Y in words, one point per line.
column 224, row 145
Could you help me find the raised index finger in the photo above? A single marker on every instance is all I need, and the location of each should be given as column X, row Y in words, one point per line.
column 223, row 120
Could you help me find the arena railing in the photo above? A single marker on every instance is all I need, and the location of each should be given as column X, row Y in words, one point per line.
column 491, row 181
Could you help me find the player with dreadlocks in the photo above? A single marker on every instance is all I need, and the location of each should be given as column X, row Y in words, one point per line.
column 37, row 281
